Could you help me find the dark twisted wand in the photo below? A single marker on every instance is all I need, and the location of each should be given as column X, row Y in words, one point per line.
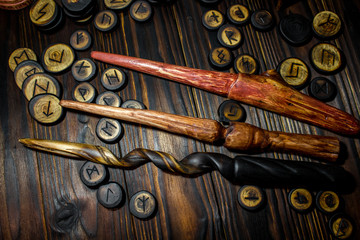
column 240, row 170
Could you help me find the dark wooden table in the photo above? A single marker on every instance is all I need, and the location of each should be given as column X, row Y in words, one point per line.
column 34, row 185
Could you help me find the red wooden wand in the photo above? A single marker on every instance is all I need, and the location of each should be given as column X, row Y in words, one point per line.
column 267, row 91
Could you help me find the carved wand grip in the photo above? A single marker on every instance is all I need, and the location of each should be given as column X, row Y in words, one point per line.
column 240, row 170
column 238, row 136
column 267, row 91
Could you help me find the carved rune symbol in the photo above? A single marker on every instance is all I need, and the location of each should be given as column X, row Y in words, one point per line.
column 233, row 111
column 322, row 87
column 343, row 226
column 30, row 72
column 108, row 129
column 90, row 171
column 141, row 9
column 56, row 56
column 21, row 56
column 330, row 23
column 239, row 13
column 106, row 18
column 329, row 200
column 263, row 18
column 83, row 92
column 36, row 85
column 81, row 67
column 110, row 78
column 301, row 198
column 230, row 35
column 107, row 194
column 79, row 37
column 41, row 12
column 252, row 196
column 215, row 17
column 48, row 113
column 247, row 64
column 142, row 201
column 221, row 56
column 327, row 57
column 294, row 70
column 108, row 101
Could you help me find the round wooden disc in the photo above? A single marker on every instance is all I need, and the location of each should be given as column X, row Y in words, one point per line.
column 109, row 130
column 326, row 58
column 295, row 29
column 25, row 70
column 221, row 58
column 113, row 79
column 93, row 174
column 246, row 64
column 231, row 111
column 251, row 197
column 143, row 205
column 58, row 57
column 106, row 20
column 326, row 24
column 238, row 14
column 294, row 71
column 83, row 69
column 262, row 20
column 117, row 5
column 140, row 11
column 42, row 13
column 84, row 92
column 40, row 83
column 81, row 40
column 213, row 19
column 300, row 199
column 229, row 36
column 109, row 98
column 45, row 109
column 323, row 89
column 20, row 55
column 110, row 195
column 328, row 201
column 341, row 226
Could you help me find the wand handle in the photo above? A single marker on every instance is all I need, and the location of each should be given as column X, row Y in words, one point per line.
column 238, row 136
column 267, row 91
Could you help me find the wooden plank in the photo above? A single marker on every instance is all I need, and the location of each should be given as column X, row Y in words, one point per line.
column 34, row 186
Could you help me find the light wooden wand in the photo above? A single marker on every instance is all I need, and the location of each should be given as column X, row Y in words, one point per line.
column 238, row 136
column 240, row 170
column 267, row 91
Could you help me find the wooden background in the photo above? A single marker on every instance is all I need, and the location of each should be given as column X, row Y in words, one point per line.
column 33, row 185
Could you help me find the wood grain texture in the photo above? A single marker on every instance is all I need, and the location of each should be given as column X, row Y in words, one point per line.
column 267, row 91
column 238, row 136
column 35, row 186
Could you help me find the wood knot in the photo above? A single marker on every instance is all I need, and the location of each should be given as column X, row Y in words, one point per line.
column 66, row 217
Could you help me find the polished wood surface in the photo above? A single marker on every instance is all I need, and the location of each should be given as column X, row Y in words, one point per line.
column 266, row 91
column 238, row 136
column 36, row 186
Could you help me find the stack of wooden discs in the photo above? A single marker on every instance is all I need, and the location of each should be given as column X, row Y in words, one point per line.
column 79, row 11
column 14, row 4
column 46, row 15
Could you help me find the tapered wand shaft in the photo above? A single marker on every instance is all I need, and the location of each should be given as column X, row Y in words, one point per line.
column 240, row 170
column 267, row 91
column 238, row 136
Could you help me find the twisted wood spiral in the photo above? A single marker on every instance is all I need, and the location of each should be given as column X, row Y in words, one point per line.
column 240, row 170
